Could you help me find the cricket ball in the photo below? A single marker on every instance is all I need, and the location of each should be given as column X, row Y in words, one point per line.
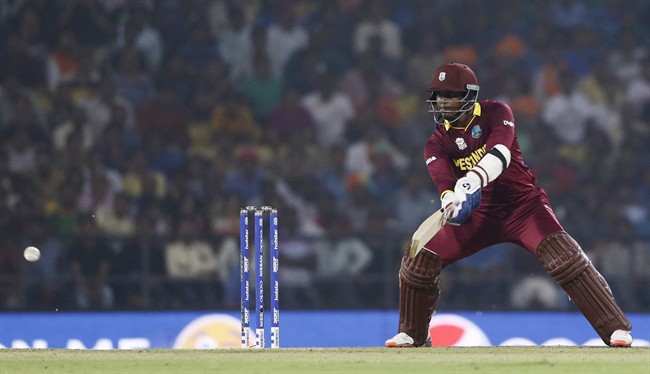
column 32, row 254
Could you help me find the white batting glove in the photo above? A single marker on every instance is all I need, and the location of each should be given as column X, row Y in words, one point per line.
column 450, row 203
column 468, row 184
column 458, row 205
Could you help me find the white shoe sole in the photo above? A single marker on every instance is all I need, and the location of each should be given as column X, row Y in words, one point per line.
column 618, row 344
column 395, row 345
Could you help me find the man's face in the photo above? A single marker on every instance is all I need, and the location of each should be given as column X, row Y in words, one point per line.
column 449, row 103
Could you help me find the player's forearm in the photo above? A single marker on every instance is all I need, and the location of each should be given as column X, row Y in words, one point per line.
column 495, row 162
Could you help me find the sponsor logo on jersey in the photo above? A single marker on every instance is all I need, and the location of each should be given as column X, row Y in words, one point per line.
column 476, row 132
column 466, row 163
column 442, row 76
column 431, row 159
column 460, row 142
column 508, row 123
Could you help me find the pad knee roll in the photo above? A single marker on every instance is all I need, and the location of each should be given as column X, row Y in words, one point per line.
column 567, row 264
column 419, row 293
column 422, row 271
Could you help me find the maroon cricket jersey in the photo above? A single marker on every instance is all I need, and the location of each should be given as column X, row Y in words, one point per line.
column 449, row 154
column 512, row 209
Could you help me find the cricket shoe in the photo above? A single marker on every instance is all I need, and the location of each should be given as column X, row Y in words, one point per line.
column 401, row 340
column 620, row 338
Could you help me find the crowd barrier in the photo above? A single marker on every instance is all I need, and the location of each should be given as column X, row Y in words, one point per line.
column 211, row 329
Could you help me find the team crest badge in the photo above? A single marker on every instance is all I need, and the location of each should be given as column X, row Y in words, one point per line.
column 460, row 142
column 442, row 76
column 476, row 132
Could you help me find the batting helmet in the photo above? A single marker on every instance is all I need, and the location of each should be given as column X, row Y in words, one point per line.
column 453, row 78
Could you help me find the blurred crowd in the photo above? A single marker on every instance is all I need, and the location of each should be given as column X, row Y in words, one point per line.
column 133, row 131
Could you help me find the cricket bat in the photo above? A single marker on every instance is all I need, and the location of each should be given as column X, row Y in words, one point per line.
column 426, row 231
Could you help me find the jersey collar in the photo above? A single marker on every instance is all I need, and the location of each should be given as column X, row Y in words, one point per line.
column 476, row 113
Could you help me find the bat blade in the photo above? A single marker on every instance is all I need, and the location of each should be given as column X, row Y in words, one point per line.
column 426, row 231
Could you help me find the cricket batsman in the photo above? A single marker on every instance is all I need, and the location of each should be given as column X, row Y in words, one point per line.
column 490, row 196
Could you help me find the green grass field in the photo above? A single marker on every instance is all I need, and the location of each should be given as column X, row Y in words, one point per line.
column 340, row 360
